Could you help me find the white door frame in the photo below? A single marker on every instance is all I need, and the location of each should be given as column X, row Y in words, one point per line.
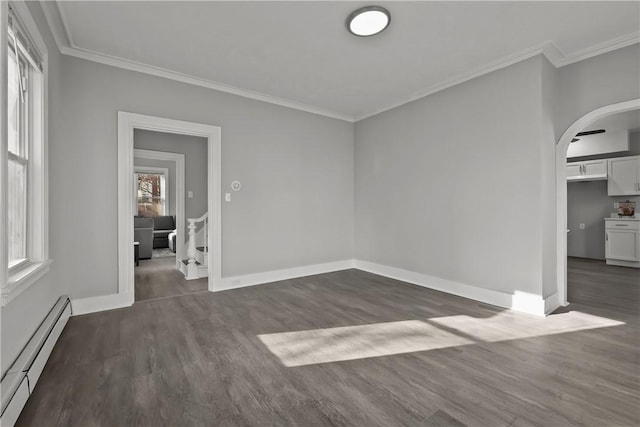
column 178, row 159
column 127, row 122
column 561, row 184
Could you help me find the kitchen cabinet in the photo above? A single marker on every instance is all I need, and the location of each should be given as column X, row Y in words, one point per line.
column 624, row 176
column 590, row 170
column 622, row 242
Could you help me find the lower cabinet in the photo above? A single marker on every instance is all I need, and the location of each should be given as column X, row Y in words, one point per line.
column 622, row 240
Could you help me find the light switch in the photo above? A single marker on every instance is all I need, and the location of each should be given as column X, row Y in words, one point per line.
column 581, row 226
column 227, row 197
column 190, row 194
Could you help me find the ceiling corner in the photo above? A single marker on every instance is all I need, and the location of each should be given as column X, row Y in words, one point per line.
column 57, row 26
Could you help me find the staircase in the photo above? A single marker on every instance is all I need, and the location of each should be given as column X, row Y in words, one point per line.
column 196, row 265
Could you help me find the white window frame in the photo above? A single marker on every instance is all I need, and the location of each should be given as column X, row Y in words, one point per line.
column 164, row 187
column 15, row 281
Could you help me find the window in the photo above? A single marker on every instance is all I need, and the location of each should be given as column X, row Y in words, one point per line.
column 151, row 191
column 25, row 153
column 18, row 169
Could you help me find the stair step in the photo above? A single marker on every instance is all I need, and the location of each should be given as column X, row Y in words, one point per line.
column 186, row 261
column 200, row 248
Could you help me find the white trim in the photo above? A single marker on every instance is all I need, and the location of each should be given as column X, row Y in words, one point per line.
column 63, row 39
column 15, row 282
column 599, row 49
column 4, row 146
column 58, row 29
column 519, row 301
column 20, row 279
column 100, row 303
column 197, row 81
column 547, row 48
column 180, row 190
column 551, row 303
column 127, row 122
column 561, row 186
column 235, row 282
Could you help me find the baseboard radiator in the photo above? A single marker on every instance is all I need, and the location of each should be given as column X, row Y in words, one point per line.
column 18, row 382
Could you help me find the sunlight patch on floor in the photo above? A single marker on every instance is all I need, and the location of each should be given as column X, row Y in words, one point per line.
column 299, row 348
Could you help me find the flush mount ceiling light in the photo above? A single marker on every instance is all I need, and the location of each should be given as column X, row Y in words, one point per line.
column 368, row 21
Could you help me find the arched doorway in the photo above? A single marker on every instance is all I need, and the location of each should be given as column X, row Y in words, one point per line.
column 561, row 184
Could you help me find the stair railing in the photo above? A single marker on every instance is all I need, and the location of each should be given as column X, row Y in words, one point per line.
column 191, row 246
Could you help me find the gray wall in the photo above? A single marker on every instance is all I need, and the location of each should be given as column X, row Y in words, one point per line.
column 21, row 317
column 588, row 203
column 195, row 157
column 460, row 184
column 449, row 185
column 296, row 204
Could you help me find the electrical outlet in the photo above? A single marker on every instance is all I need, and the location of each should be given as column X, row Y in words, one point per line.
column 581, row 226
column 190, row 194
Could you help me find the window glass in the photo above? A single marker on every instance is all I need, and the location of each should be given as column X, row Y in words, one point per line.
column 18, row 163
column 151, row 200
column 17, row 212
column 13, row 105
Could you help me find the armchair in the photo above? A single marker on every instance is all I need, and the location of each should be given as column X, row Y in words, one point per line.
column 143, row 233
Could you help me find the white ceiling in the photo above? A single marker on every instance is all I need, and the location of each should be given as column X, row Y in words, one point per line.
column 300, row 53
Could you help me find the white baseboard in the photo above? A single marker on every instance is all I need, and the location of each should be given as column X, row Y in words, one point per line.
column 234, row 282
column 101, row 303
column 519, row 301
column 551, row 303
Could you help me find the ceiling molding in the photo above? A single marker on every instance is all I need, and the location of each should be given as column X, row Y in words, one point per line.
column 62, row 36
column 196, row 81
column 58, row 29
column 555, row 55
column 600, row 48
column 547, row 48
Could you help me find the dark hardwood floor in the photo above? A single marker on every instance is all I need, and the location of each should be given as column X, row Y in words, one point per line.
column 206, row 359
column 158, row 278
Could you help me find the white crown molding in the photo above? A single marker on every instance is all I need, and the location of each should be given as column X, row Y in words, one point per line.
column 197, row 81
column 599, row 49
column 60, row 30
column 62, row 36
column 548, row 48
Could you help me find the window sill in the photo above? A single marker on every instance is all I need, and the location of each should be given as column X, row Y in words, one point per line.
column 23, row 277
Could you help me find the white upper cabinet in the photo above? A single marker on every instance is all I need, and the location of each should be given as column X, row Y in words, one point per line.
column 591, row 170
column 624, row 176
column 574, row 171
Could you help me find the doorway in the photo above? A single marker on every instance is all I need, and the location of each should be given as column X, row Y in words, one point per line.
column 130, row 125
column 561, row 184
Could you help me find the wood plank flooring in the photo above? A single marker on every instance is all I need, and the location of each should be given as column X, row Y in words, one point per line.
column 197, row 359
column 158, row 278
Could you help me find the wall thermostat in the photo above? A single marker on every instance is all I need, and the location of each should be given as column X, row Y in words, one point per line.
column 235, row 185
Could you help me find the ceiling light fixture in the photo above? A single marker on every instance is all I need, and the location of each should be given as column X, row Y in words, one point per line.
column 368, row 21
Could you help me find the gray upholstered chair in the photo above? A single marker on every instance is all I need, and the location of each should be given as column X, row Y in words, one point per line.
column 143, row 233
column 162, row 226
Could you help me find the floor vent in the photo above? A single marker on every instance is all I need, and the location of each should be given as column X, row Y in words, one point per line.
column 19, row 381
